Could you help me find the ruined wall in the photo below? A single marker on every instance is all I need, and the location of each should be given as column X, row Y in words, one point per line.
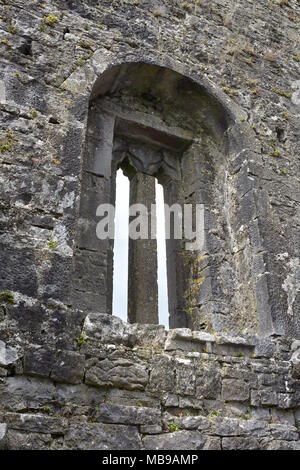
column 120, row 386
column 229, row 393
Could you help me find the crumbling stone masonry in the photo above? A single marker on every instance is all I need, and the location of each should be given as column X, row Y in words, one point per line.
column 201, row 95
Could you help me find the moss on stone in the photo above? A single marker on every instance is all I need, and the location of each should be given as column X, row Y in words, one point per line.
column 51, row 19
column 7, row 296
column 7, row 143
column 52, row 244
column 281, row 92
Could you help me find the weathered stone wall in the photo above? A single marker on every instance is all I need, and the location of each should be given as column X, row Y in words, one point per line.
column 113, row 385
column 120, row 386
column 243, row 53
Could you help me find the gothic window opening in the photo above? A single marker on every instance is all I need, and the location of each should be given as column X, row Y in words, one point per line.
column 154, row 123
column 121, row 299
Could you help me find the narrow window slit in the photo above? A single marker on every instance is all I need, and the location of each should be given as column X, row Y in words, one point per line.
column 163, row 306
column 120, row 277
column 121, row 251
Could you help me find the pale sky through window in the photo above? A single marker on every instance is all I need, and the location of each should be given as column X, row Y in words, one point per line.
column 120, row 279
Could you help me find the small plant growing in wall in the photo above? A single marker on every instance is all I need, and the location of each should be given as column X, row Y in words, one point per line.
column 4, row 42
column 187, row 6
column 275, row 153
column 7, row 296
column 81, row 340
column 283, row 171
column 46, row 409
column 52, row 244
column 281, row 92
column 51, row 19
column 173, row 427
column 12, row 29
column 213, row 414
column 6, row 144
column 84, row 44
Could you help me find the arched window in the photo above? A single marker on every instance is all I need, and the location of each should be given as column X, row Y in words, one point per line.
column 154, row 253
column 154, row 123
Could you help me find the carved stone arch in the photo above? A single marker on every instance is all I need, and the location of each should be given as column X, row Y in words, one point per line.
column 164, row 106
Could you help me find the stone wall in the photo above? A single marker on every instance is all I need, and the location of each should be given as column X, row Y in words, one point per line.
column 246, row 59
column 120, row 386
column 72, row 380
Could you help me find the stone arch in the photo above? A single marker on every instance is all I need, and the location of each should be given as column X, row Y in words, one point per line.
column 225, row 285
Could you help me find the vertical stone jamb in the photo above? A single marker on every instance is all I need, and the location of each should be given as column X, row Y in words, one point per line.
column 93, row 258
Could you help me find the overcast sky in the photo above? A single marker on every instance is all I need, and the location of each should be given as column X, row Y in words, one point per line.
column 120, row 281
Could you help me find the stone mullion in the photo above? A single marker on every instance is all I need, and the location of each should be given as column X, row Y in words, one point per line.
column 142, row 266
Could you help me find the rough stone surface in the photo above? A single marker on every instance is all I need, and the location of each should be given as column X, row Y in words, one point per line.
column 213, row 87
column 131, row 396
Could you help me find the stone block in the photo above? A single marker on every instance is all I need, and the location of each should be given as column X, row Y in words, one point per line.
column 240, row 443
column 235, row 390
column 117, row 414
column 121, row 373
column 26, row 392
column 99, row 436
column 185, row 377
column 8, row 354
column 38, row 361
column 36, row 423
column 180, row 440
column 264, row 397
column 17, row 440
column 208, row 384
column 151, row 429
column 162, row 378
column 68, row 367
column 79, row 395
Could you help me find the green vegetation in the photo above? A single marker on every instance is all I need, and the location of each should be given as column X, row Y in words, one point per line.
column 51, row 19
column 52, row 244
column 281, row 92
column 213, row 414
column 229, row 91
column 84, row 44
column 81, row 340
column 173, row 427
column 6, row 144
column 283, row 171
column 275, row 153
column 46, row 409
column 7, row 296
column 187, row 6
column 5, row 42
column 12, row 29
column 79, row 62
